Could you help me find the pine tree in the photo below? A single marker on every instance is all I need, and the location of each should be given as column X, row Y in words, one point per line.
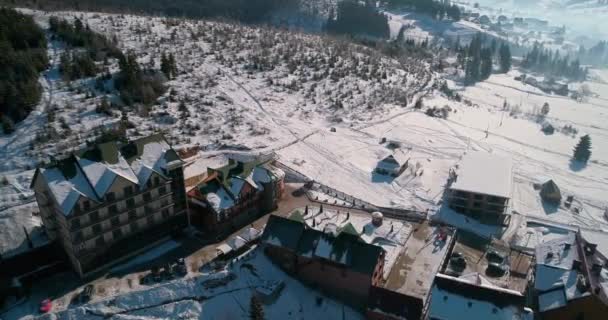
column 544, row 111
column 485, row 69
column 172, row 65
column 164, row 66
column 256, row 311
column 582, row 151
column 505, row 58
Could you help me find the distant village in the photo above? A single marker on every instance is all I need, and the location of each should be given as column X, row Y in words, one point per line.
column 112, row 201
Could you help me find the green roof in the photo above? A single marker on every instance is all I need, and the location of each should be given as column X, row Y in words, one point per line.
column 282, row 232
column 104, row 152
column 349, row 229
column 347, row 248
column 297, row 216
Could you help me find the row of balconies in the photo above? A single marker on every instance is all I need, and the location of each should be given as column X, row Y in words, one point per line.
column 131, row 220
column 141, row 209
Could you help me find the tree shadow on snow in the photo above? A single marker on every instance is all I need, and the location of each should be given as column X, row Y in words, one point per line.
column 577, row 166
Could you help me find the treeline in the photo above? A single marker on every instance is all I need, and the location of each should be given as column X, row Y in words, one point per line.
column 356, row 18
column 596, row 55
column 22, row 57
column 248, row 11
column 78, row 35
column 437, row 9
column 552, row 63
column 479, row 57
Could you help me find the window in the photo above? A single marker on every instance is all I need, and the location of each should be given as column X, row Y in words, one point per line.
column 156, row 181
column 75, row 223
column 115, row 222
column 110, row 196
column 97, row 228
column 99, row 242
column 94, row 216
column 86, row 205
column 147, row 196
column 150, row 220
column 477, row 204
column 132, row 215
column 164, row 203
column 117, row 234
column 128, row 191
column 165, row 213
column 162, row 190
column 130, row 203
column 113, row 209
column 78, row 236
column 134, row 226
column 478, row 197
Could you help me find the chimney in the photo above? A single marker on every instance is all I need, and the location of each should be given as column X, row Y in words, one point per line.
column 576, row 265
column 590, row 249
column 596, row 268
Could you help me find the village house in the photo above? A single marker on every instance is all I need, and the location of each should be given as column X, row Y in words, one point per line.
column 571, row 279
column 234, row 193
column 111, row 200
column 392, row 165
column 338, row 261
column 481, row 187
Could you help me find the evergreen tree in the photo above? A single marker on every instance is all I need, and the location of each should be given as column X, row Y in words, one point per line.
column 172, row 65
column 165, row 66
column 582, row 151
column 544, row 111
column 486, row 64
column 256, row 311
column 505, row 58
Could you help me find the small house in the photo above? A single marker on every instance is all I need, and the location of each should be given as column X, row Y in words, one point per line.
column 550, row 192
column 391, row 165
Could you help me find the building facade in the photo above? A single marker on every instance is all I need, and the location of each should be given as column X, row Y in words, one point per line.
column 342, row 264
column 481, row 187
column 234, row 194
column 111, row 200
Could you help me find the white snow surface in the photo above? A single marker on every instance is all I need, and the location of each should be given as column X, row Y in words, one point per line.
column 484, row 173
column 191, row 298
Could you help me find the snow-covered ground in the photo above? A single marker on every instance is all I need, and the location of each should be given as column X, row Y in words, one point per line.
column 218, row 295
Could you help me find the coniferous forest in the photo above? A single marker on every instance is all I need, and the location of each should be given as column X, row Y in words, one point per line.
column 22, row 57
column 350, row 16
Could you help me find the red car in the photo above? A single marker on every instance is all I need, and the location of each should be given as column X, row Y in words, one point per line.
column 46, row 305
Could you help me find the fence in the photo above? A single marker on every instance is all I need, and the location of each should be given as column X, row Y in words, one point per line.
column 292, row 175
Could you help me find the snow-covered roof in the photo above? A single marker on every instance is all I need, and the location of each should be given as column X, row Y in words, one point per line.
column 220, row 199
column 558, row 253
column 67, row 183
column 485, row 173
column 453, row 298
column 92, row 172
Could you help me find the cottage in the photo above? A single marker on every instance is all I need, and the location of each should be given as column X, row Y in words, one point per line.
column 482, row 187
column 392, row 165
column 550, row 192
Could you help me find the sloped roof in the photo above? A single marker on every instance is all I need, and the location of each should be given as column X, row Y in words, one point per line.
column 485, row 173
column 550, row 188
column 452, row 298
column 67, row 183
column 282, row 232
column 346, row 249
column 91, row 172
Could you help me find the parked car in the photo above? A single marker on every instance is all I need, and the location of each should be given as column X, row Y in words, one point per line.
column 458, row 262
column 46, row 306
column 180, row 267
column 495, row 256
column 496, row 269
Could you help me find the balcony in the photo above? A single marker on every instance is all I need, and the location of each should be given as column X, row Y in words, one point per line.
column 147, row 210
